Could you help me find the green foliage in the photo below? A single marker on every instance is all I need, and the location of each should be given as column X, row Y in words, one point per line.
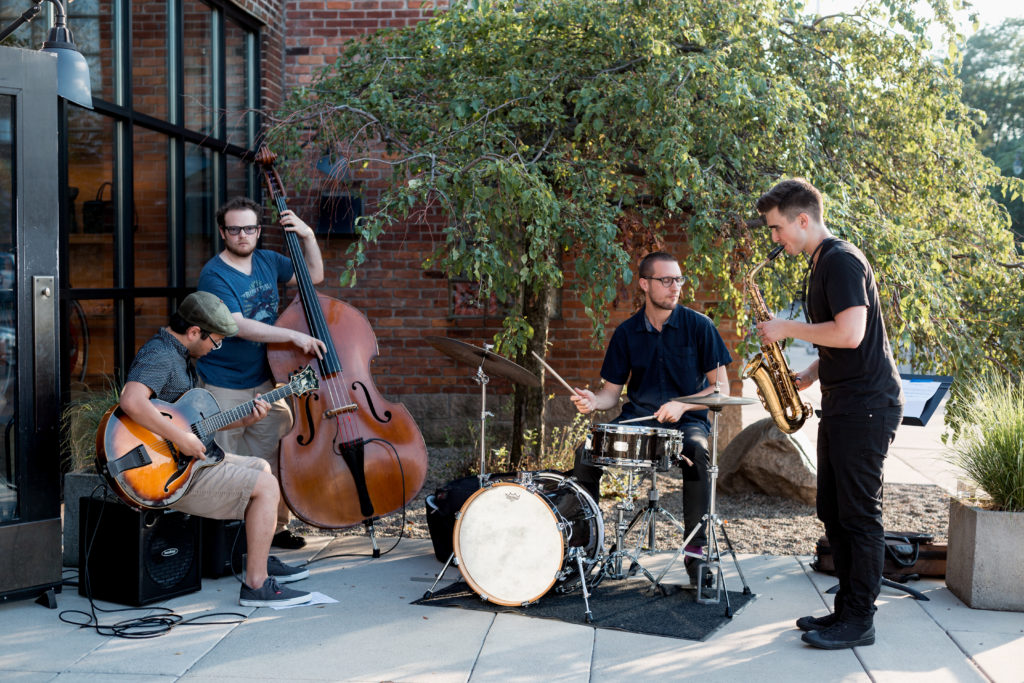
column 990, row 450
column 535, row 128
column 79, row 421
column 993, row 82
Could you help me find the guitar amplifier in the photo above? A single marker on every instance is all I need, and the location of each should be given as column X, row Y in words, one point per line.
column 136, row 558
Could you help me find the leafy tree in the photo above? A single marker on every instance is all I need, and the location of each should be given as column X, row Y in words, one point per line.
column 993, row 78
column 545, row 130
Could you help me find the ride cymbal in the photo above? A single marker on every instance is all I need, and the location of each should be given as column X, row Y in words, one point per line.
column 493, row 364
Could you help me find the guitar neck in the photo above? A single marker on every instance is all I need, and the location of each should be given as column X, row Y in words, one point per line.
column 221, row 420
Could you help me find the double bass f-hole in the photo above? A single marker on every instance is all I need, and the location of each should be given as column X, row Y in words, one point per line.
column 369, row 404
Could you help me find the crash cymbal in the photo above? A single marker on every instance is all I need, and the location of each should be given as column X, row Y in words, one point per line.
column 715, row 400
column 492, row 362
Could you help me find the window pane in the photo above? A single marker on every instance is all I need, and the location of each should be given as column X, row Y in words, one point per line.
column 149, row 57
column 150, row 316
column 152, row 256
column 236, row 84
column 92, row 23
column 30, row 35
column 91, row 329
column 8, row 317
column 199, row 211
column 238, row 178
column 198, row 83
column 91, row 199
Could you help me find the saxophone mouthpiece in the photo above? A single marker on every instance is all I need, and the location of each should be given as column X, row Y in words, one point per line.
column 775, row 252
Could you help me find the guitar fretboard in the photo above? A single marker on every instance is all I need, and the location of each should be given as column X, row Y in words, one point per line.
column 221, row 420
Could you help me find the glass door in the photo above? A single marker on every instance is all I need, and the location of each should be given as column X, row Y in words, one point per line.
column 30, row 527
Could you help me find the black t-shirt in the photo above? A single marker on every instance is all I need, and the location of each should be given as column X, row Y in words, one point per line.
column 662, row 365
column 864, row 378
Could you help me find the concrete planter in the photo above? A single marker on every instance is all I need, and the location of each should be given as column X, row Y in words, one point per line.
column 985, row 559
column 79, row 485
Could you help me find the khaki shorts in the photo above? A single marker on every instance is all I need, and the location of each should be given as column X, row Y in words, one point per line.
column 223, row 491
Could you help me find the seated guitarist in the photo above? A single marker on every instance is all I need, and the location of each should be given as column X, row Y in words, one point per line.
column 240, row 487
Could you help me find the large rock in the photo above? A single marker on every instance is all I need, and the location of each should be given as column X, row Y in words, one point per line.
column 763, row 459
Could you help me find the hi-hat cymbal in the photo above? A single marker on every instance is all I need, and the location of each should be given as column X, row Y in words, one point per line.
column 492, row 362
column 715, row 400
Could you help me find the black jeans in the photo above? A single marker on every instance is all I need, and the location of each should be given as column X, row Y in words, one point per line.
column 696, row 484
column 851, row 454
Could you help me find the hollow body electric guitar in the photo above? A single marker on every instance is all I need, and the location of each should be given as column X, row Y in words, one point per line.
column 147, row 470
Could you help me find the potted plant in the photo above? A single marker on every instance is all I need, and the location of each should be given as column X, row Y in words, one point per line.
column 985, row 565
column 79, row 421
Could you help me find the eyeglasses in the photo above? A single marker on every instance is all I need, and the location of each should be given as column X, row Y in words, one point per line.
column 235, row 229
column 666, row 281
column 217, row 343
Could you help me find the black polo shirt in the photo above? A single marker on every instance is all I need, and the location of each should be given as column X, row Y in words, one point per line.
column 852, row 380
column 657, row 366
column 164, row 365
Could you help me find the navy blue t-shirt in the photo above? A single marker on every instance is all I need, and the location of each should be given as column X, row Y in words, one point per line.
column 240, row 363
column 658, row 366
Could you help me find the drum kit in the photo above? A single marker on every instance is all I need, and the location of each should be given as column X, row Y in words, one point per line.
column 520, row 536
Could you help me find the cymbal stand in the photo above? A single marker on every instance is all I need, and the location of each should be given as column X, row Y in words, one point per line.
column 710, row 578
column 482, row 379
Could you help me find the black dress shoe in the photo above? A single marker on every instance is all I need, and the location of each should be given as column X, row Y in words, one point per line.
column 816, row 623
column 841, row 635
column 287, row 540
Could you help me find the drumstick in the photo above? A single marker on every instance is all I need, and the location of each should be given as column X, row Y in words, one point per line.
column 636, row 419
column 555, row 374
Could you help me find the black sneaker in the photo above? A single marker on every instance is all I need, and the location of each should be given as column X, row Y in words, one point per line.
column 271, row 594
column 285, row 573
column 692, row 565
column 287, row 540
column 840, row 635
column 816, row 623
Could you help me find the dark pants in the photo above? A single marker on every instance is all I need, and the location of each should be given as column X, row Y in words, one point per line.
column 696, row 484
column 851, row 454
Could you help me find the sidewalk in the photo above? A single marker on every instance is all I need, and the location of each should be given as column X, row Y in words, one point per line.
column 373, row 633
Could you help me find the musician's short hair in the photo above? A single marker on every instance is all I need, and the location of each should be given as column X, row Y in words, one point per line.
column 647, row 262
column 792, row 197
column 237, row 204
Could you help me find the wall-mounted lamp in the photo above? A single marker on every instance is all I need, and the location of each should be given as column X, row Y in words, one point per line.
column 72, row 71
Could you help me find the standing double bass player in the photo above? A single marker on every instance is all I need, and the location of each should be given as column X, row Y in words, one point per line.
column 246, row 279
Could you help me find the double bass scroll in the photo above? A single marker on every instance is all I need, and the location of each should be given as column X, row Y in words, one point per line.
column 351, row 455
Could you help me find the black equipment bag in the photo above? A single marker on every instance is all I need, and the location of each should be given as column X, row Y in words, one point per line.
column 906, row 553
column 441, row 510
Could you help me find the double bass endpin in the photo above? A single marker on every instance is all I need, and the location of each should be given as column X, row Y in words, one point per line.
column 350, row 408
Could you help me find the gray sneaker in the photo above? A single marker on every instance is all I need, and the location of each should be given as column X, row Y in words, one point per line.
column 270, row 594
column 285, row 573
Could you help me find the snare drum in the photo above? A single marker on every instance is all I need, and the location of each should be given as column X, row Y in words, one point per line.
column 630, row 446
column 515, row 539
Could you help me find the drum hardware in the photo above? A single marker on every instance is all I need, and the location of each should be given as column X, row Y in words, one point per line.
column 484, row 359
column 644, row 517
column 514, row 540
column 710, row 577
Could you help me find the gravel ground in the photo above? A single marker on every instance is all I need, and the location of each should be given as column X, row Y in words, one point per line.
column 755, row 523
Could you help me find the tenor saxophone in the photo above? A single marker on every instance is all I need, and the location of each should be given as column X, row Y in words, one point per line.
column 769, row 370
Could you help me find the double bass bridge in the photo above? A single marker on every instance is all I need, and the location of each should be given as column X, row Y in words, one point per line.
column 333, row 412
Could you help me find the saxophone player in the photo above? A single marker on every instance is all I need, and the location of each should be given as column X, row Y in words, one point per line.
column 663, row 351
column 861, row 403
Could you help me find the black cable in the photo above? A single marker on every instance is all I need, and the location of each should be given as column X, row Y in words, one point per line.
column 149, row 626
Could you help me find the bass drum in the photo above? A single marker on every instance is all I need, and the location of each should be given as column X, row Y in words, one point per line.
column 514, row 540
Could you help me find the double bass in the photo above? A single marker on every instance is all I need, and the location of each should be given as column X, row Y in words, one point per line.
column 351, row 456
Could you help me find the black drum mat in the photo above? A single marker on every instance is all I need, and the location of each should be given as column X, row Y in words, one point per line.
column 624, row 605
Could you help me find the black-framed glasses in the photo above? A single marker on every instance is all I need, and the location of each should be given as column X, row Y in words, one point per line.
column 216, row 343
column 666, row 281
column 235, row 229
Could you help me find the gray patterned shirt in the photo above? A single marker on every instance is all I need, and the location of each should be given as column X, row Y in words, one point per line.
column 164, row 365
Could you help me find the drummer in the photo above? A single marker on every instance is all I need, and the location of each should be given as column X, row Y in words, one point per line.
column 663, row 351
